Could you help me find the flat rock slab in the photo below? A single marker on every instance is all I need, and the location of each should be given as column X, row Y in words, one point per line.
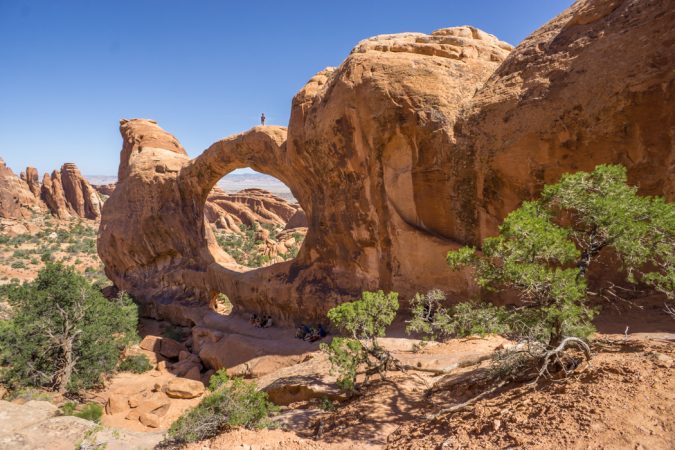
column 301, row 382
column 36, row 425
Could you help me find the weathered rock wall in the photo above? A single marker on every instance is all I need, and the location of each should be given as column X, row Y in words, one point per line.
column 414, row 145
column 594, row 85
column 16, row 199
column 66, row 194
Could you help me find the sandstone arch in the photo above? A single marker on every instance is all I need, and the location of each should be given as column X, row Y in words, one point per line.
column 415, row 144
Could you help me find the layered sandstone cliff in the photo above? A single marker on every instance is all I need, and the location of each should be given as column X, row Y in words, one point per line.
column 414, row 145
column 249, row 207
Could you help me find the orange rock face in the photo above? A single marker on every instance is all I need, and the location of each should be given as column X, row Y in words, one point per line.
column 16, row 199
column 414, row 145
column 68, row 194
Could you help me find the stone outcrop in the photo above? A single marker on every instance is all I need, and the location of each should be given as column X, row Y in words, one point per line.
column 66, row 194
column 16, row 199
column 30, row 176
column 40, row 425
column 248, row 207
column 414, row 145
column 104, row 189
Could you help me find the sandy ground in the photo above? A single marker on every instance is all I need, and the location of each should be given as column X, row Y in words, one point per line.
column 625, row 399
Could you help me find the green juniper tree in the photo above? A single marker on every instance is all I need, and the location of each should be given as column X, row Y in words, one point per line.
column 544, row 249
column 363, row 321
column 62, row 334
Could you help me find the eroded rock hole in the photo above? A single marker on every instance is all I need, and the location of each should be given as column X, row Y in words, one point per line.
column 256, row 219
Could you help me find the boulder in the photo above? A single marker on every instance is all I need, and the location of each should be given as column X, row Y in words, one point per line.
column 150, row 420
column 158, row 405
column 202, row 335
column 193, row 374
column 151, row 343
column 117, row 403
column 133, row 415
column 171, row 348
column 183, row 388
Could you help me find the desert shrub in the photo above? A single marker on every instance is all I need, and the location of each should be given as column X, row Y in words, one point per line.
column 63, row 334
column 21, row 254
column 175, row 332
column 68, row 408
column 545, row 247
column 363, row 321
column 90, row 411
column 18, row 265
column 224, row 303
column 231, row 402
column 326, row 404
column 135, row 364
column 28, row 394
column 435, row 321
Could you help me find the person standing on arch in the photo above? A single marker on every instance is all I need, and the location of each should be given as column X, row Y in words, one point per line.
column 262, row 119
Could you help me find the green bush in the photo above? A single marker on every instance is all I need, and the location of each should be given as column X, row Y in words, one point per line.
column 68, row 408
column 90, row 411
column 432, row 319
column 21, row 254
column 364, row 321
column 18, row 265
column 28, row 394
column 232, row 402
column 135, row 364
column 63, row 333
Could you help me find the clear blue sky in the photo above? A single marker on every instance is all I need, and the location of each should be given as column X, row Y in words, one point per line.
column 69, row 70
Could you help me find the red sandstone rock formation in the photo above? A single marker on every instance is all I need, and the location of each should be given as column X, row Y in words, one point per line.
column 30, row 176
column 52, row 194
column 414, row 145
column 16, row 199
column 80, row 195
column 68, row 194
